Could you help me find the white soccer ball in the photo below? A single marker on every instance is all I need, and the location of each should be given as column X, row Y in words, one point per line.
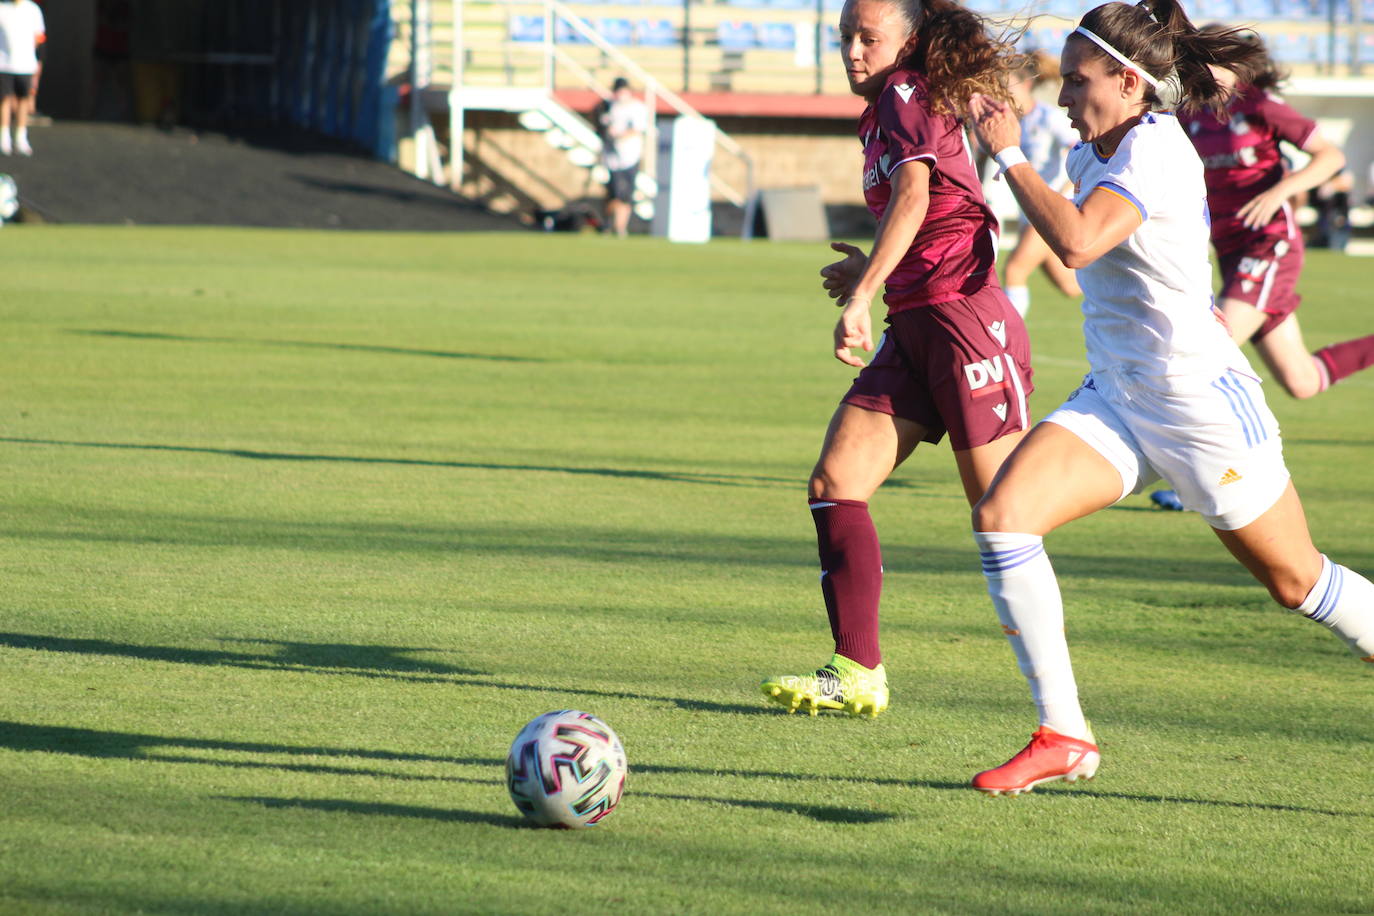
column 566, row 769
column 9, row 197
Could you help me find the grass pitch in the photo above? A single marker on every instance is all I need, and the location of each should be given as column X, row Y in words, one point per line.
column 299, row 529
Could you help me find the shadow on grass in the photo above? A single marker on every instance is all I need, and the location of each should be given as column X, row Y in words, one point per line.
column 379, row 809
column 108, row 745
column 383, row 662
column 719, row 480
column 307, row 344
column 343, row 658
column 824, row 813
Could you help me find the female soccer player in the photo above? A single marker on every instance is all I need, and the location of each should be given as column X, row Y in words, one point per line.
column 1255, row 234
column 955, row 358
column 1046, row 139
column 1168, row 393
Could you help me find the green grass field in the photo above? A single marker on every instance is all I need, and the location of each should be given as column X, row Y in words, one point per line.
column 298, row 529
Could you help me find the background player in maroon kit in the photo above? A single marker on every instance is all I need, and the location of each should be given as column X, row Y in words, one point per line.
column 955, row 358
column 1258, row 243
column 1259, row 246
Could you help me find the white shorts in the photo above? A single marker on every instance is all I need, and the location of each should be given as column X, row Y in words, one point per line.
column 1216, row 443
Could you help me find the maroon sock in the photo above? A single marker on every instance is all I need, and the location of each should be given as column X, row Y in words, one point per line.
column 851, row 576
column 1347, row 358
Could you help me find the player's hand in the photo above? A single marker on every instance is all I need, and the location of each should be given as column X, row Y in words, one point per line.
column 839, row 278
column 854, row 329
column 994, row 123
column 1260, row 209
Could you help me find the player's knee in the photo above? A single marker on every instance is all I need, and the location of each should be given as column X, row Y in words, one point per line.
column 824, row 483
column 992, row 514
column 1289, row 590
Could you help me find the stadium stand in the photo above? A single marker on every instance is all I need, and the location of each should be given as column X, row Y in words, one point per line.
column 766, row 68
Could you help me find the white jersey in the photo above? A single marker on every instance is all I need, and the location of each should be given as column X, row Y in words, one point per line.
column 625, row 152
column 1046, row 139
column 21, row 32
column 1147, row 303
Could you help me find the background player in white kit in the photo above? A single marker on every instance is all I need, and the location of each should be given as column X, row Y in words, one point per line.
column 1046, row 139
column 1168, row 393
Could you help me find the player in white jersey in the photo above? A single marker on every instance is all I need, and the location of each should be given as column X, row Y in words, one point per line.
column 1168, row 393
column 1046, row 139
column 22, row 34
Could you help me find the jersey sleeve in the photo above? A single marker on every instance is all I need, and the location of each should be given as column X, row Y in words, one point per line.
column 906, row 126
column 1286, row 122
column 1132, row 173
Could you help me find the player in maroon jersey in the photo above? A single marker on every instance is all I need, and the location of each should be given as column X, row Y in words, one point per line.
column 1259, row 246
column 1258, row 243
column 955, row 358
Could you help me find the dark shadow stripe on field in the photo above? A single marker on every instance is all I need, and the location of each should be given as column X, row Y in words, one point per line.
column 108, row 745
column 826, row 813
column 306, row 344
column 346, row 806
column 344, row 658
column 88, row 742
column 382, row 664
column 719, row 480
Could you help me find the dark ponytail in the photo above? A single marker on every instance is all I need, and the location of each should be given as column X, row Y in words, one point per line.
column 1158, row 36
column 1268, row 76
column 959, row 56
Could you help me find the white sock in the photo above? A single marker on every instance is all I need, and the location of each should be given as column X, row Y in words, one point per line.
column 1026, row 594
column 1020, row 299
column 1343, row 601
column 21, row 136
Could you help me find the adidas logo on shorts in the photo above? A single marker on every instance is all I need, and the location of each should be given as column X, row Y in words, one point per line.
column 1231, row 476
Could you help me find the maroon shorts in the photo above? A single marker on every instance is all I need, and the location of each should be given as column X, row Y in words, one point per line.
column 960, row 367
column 1264, row 273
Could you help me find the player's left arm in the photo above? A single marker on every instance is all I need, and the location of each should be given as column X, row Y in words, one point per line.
column 1327, row 159
column 1077, row 235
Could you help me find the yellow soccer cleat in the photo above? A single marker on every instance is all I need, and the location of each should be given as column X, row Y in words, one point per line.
column 842, row 685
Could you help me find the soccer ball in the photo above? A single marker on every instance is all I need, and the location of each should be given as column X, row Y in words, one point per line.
column 566, row 769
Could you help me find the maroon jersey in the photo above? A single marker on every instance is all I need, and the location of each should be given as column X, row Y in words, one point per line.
column 954, row 250
column 1240, row 154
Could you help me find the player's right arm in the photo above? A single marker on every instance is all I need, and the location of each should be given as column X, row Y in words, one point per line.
column 1078, row 235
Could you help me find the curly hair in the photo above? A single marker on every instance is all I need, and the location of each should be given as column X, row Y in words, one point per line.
column 958, row 54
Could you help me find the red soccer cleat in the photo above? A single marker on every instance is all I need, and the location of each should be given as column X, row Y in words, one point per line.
column 1048, row 757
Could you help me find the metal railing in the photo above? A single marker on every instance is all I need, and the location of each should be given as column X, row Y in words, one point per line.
column 551, row 64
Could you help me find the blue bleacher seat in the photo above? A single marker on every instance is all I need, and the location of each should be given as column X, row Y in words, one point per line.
column 656, row 33
column 1367, row 48
column 777, row 36
column 618, row 32
column 527, row 28
column 1296, row 9
column 737, row 36
column 1292, row 49
column 1256, row 10
column 566, row 34
column 832, row 38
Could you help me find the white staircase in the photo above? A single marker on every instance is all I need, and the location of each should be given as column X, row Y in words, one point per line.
column 538, row 111
column 528, row 92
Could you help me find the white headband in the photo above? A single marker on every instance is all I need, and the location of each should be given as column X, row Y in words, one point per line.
column 1122, row 58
